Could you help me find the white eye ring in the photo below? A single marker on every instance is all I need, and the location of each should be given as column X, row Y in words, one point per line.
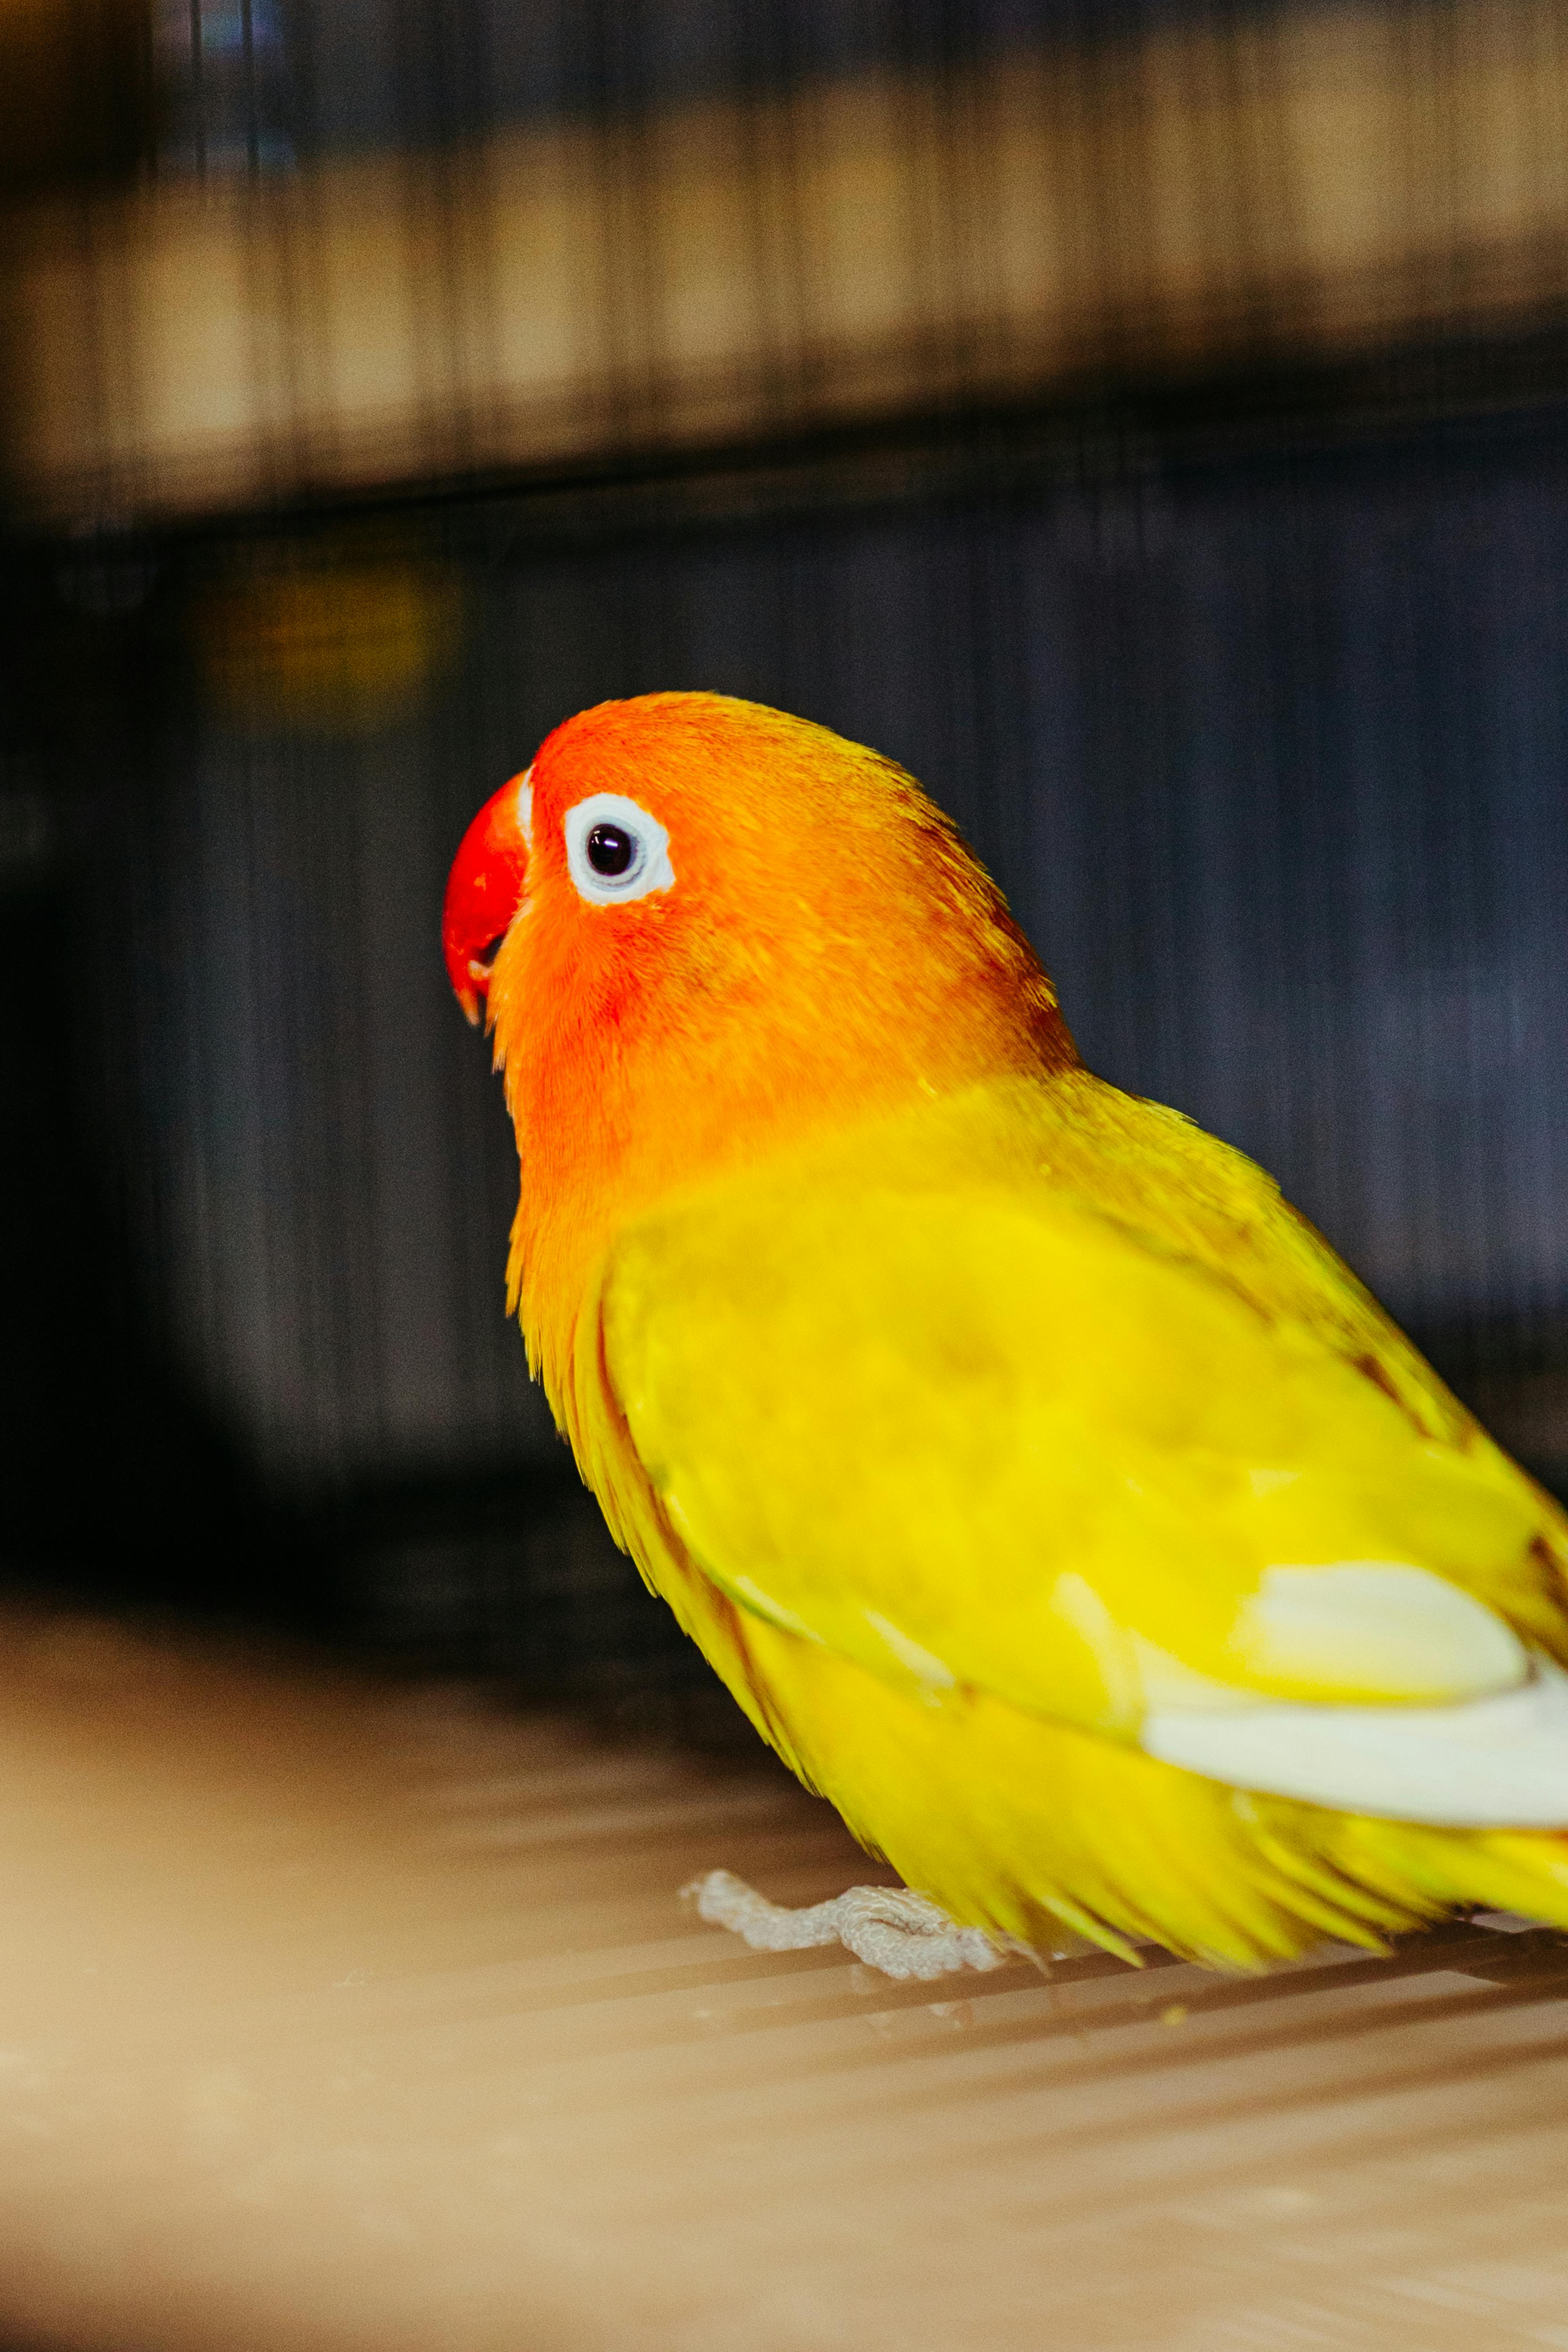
column 649, row 868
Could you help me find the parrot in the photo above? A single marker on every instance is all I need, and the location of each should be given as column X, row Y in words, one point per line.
column 1044, row 1487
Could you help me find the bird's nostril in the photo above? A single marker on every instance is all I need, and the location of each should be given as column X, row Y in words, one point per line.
column 487, row 955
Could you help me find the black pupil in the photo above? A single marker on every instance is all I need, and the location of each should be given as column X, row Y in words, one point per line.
column 610, row 849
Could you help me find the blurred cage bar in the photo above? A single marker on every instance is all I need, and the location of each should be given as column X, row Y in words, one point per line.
column 1146, row 423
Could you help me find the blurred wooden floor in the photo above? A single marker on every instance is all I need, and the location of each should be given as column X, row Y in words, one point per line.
column 338, row 2013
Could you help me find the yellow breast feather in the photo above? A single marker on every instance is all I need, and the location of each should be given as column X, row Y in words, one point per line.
column 1100, row 1463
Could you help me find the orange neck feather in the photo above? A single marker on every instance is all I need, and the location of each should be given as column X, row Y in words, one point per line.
column 830, row 953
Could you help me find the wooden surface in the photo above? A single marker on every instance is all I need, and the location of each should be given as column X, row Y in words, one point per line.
column 339, row 2013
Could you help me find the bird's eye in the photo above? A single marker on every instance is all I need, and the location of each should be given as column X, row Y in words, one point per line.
column 616, row 851
column 611, row 849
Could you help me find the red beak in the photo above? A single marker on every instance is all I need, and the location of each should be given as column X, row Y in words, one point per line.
column 485, row 889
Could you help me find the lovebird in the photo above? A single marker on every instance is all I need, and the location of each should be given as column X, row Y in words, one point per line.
column 1043, row 1487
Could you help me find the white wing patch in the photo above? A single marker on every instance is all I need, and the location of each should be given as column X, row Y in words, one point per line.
column 1497, row 1762
column 1376, row 1630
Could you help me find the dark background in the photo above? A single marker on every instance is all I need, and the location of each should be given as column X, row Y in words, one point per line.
column 1248, row 679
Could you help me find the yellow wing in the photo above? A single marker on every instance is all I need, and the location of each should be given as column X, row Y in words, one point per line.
column 1044, row 1391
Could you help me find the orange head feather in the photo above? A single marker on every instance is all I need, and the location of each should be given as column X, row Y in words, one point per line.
column 722, row 930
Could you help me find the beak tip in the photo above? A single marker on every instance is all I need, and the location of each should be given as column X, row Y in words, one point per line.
column 484, row 890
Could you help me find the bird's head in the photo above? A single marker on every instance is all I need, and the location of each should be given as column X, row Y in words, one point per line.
column 700, row 928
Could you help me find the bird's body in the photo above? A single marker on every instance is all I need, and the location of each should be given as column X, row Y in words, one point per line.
column 1045, row 1489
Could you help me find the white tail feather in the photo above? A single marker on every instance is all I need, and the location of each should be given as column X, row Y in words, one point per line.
column 1497, row 1762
